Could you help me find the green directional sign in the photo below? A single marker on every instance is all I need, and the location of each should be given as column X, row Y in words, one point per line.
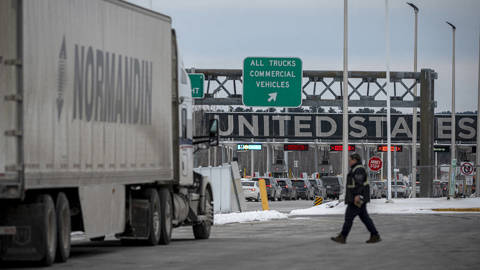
column 272, row 81
column 196, row 80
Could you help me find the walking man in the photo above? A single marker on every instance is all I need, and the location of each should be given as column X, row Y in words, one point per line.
column 356, row 198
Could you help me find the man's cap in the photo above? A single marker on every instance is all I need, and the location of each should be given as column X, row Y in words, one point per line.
column 356, row 157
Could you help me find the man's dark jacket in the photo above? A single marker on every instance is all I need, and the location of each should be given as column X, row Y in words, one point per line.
column 357, row 184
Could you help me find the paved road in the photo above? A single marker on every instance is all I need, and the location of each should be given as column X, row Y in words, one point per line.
column 410, row 242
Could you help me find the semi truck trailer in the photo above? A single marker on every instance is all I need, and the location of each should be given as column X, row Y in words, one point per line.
column 95, row 129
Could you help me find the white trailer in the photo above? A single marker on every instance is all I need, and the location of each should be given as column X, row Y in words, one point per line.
column 95, row 128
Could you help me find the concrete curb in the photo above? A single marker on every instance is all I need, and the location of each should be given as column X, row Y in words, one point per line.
column 456, row 209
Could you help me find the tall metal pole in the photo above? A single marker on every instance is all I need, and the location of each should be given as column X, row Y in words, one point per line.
column 453, row 161
column 387, row 88
column 477, row 188
column 345, row 97
column 252, row 162
column 414, row 118
column 269, row 162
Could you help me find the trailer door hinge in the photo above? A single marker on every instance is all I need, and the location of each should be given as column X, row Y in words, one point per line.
column 13, row 62
column 16, row 133
column 14, row 97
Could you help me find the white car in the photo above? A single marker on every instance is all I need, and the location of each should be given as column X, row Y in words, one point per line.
column 251, row 191
column 401, row 189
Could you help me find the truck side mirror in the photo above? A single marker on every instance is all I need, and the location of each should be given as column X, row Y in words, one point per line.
column 213, row 136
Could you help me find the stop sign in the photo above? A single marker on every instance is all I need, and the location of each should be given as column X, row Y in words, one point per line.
column 375, row 164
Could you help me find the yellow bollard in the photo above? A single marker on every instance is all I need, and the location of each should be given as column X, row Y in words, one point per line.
column 318, row 200
column 263, row 193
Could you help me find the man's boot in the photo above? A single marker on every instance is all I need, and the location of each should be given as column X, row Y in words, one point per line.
column 339, row 239
column 374, row 238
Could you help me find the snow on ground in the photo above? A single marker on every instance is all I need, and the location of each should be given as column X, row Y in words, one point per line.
column 250, row 216
column 399, row 206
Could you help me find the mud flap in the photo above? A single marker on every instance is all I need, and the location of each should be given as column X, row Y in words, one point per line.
column 139, row 227
column 28, row 243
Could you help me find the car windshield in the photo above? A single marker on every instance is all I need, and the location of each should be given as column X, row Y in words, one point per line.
column 298, row 183
column 312, row 182
column 331, row 181
column 398, row 183
column 282, row 183
column 248, row 184
column 267, row 181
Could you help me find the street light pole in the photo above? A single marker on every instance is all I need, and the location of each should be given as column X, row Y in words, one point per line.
column 345, row 97
column 414, row 116
column 453, row 162
column 477, row 188
column 387, row 89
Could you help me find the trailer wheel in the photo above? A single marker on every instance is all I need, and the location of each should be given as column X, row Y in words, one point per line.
column 63, row 228
column 202, row 230
column 166, row 207
column 49, row 229
column 155, row 216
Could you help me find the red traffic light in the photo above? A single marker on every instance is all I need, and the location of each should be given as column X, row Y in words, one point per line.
column 295, row 147
column 339, row 147
column 394, row 148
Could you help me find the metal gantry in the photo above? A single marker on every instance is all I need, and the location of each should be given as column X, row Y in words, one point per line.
column 321, row 88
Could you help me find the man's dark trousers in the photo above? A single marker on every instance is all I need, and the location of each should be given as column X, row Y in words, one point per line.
column 351, row 213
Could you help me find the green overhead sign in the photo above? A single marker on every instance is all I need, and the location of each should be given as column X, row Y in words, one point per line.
column 196, row 80
column 272, row 81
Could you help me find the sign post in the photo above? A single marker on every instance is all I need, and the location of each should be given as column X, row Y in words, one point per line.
column 345, row 100
column 272, row 81
column 453, row 172
column 196, row 81
column 387, row 89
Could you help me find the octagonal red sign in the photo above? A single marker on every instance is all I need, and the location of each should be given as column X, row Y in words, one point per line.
column 375, row 164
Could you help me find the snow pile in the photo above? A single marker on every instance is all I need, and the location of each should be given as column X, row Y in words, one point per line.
column 399, row 206
column 78, row 236
column 248, row 217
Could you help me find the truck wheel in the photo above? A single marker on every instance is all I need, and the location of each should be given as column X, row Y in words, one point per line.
column 202, row 230
column 166, row 208
column 63, row 228
column 155, row 216
column 49, row 229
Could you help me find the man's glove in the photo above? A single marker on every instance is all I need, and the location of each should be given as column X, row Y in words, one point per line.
column 358, row 201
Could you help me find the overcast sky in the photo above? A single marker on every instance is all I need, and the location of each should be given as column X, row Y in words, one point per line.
column 221, row 33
